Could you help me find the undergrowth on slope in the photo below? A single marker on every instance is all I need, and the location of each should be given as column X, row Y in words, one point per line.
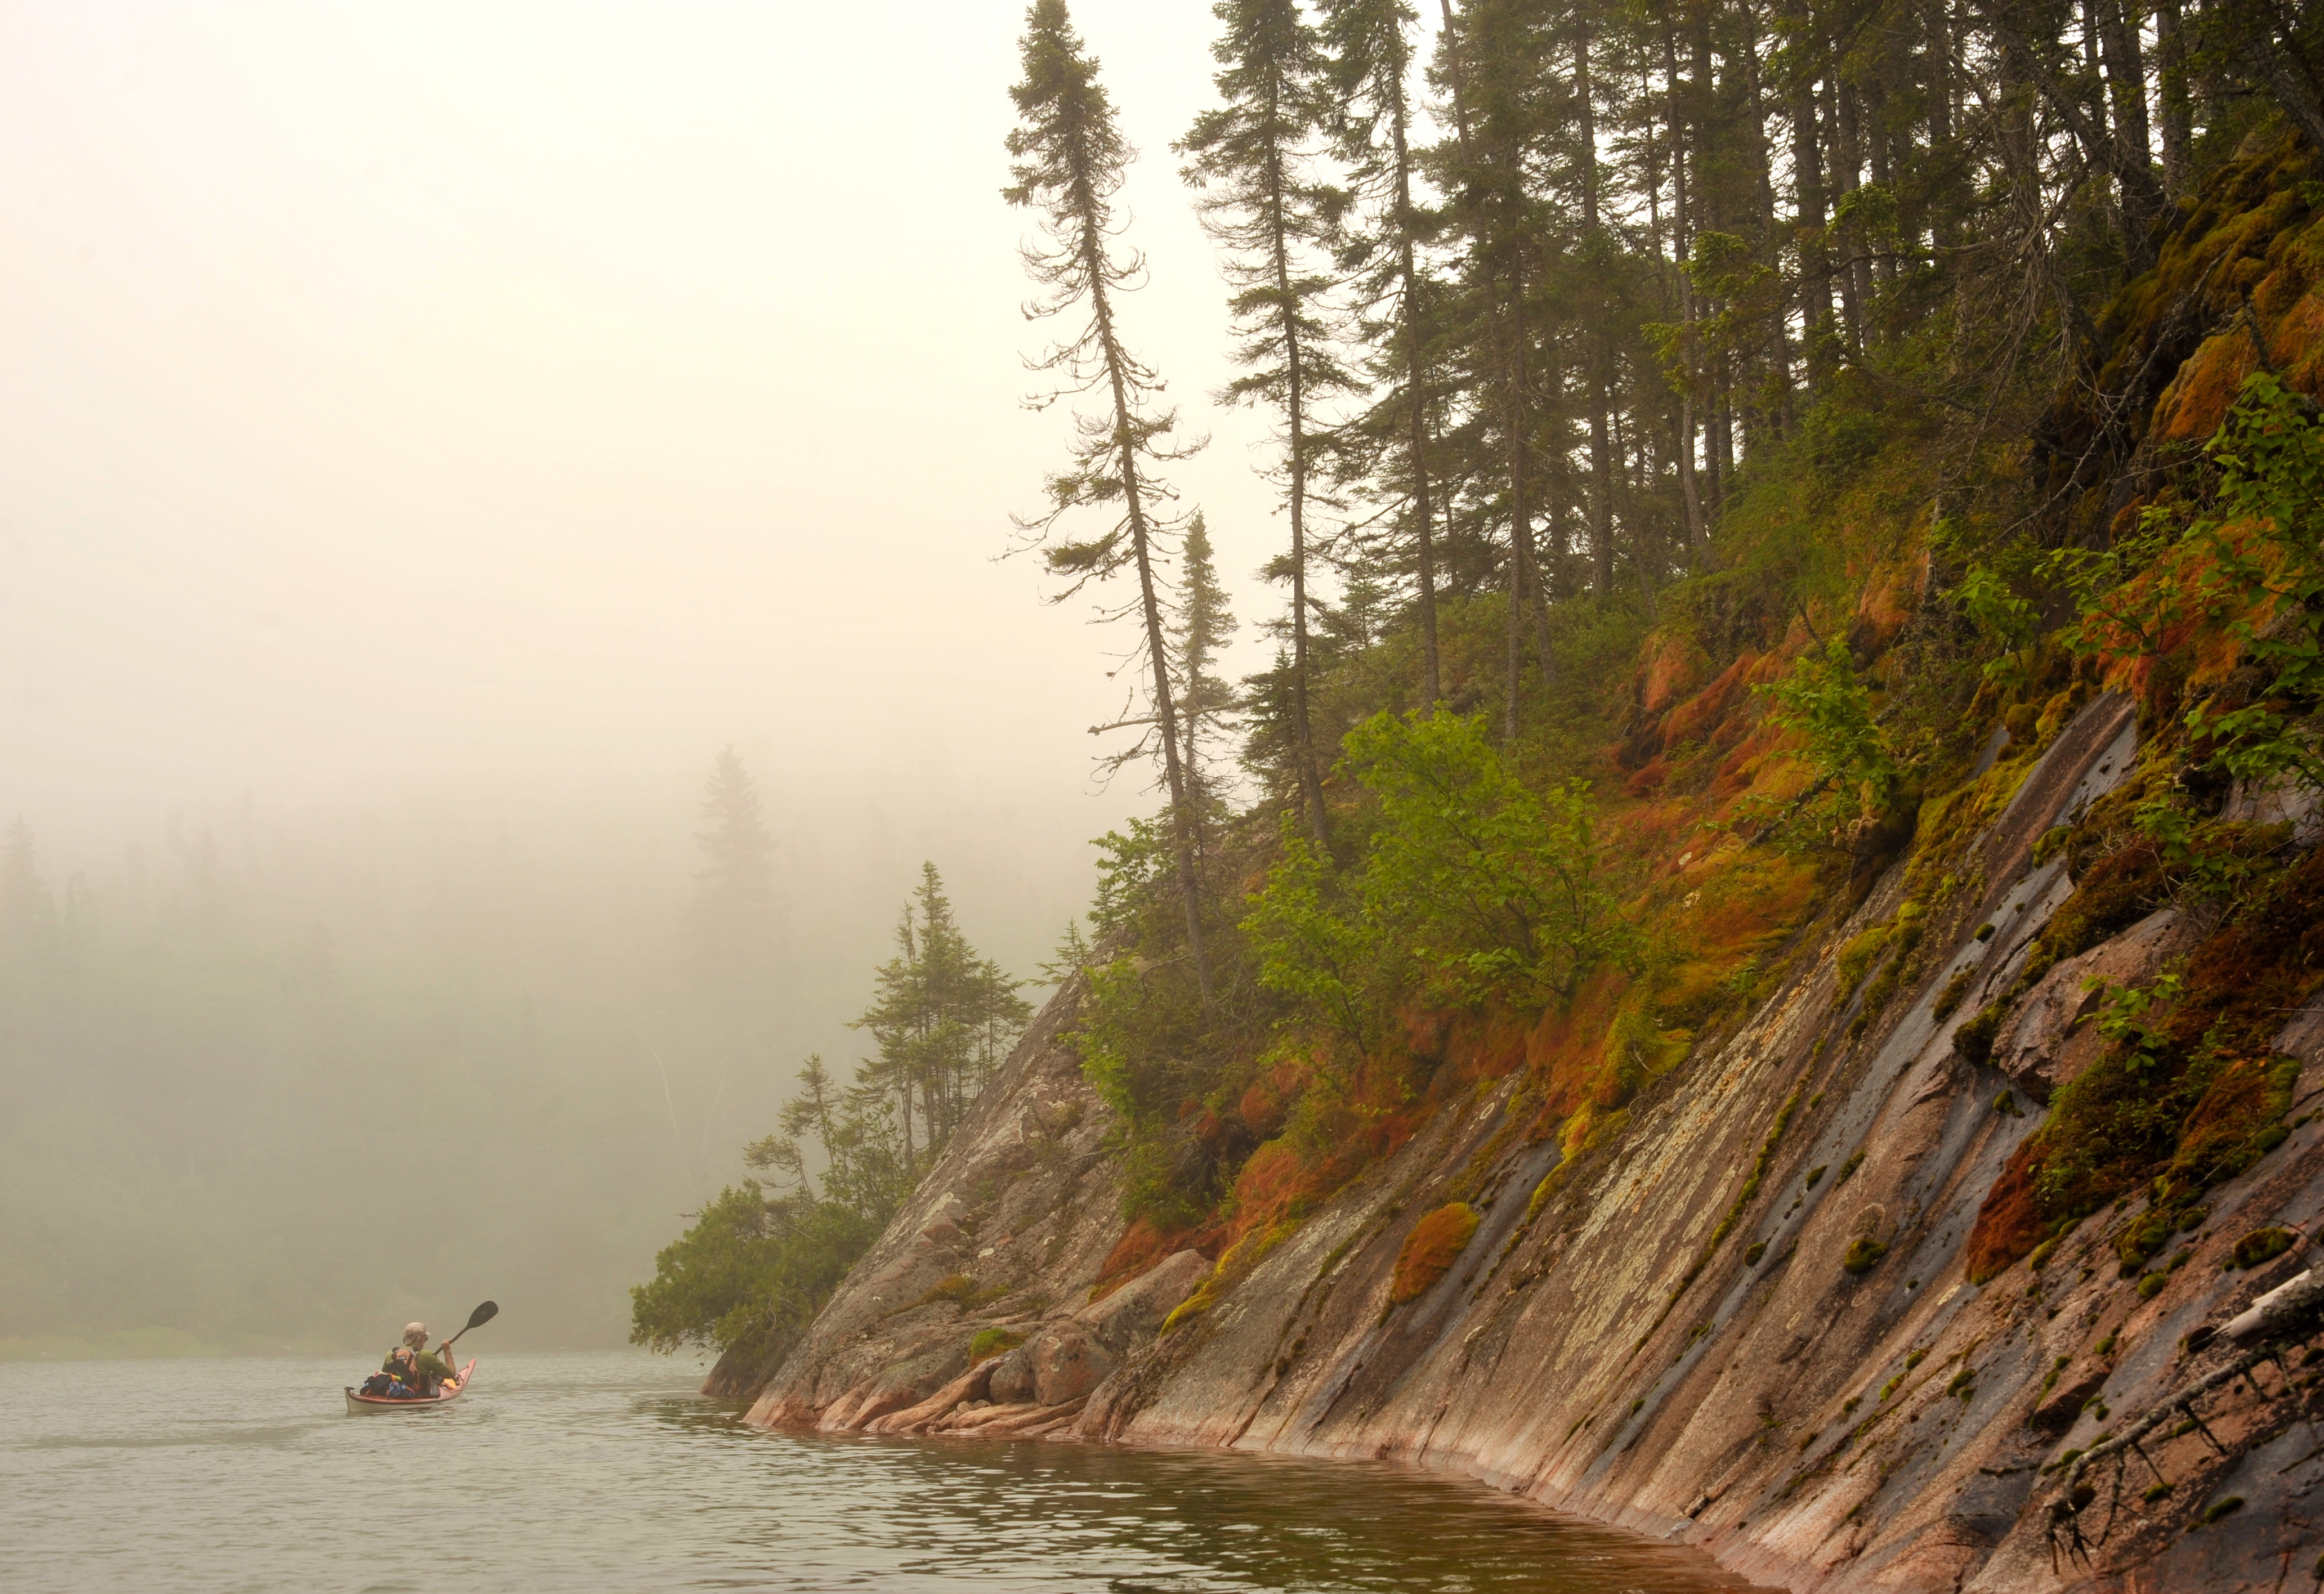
column 1896, row 622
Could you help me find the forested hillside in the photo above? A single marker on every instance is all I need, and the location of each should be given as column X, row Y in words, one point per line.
column 1783, row 823
column 1795, row 365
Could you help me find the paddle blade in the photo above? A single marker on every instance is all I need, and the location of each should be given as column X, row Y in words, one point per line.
column 483, row 1314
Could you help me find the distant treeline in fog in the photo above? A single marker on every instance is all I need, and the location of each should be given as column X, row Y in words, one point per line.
column 267, row 1086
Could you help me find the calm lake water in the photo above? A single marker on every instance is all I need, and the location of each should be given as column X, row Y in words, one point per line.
column 605, row 1472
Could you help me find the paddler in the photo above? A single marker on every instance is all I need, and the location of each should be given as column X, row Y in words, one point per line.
column 421, row 1369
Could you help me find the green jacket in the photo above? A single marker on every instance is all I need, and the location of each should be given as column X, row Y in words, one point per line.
column 427, row 1369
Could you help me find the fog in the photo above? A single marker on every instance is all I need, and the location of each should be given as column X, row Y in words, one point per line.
column 427, row 434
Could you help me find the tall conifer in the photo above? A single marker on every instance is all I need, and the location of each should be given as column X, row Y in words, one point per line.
column 1491, row 52
column 1250, row 158
column 1371, row 46
column 1205, row 701
column 730, row 925
column 28, row 914
column 942, row 1017
column 1069, row 158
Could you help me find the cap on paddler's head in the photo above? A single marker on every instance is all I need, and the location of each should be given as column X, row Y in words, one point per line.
column 415, row 1334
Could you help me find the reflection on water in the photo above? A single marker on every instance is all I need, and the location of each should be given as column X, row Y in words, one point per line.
column 602, row 1472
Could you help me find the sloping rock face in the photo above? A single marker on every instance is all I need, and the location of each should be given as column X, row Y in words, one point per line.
column 2048, row 1039
column 1006, row 1233
column 1745, row 1324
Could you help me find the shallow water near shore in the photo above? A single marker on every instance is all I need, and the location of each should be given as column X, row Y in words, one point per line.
column 605, row 1472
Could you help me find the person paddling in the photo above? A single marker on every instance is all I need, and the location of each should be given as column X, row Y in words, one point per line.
column 422, row 1370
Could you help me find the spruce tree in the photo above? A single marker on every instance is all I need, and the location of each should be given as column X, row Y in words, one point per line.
column 942, row 1017
column 1371, row 48
column 28, row 914
column 1250, row 160
column 1069, row 158
column 730, row 924
column 1205, row 701
column 1491, row 56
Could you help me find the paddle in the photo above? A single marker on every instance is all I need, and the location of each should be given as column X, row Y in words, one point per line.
column 478, row 1318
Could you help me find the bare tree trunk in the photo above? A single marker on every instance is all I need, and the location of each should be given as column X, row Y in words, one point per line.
column 1690, row 491
column 1507, row 311
column 1602, row 466
column 2125, row 71
column 1174, row 774
column 1416, row 382
column 2177, row 110
column 1311, row 783
column 1875, row 155
column 1807, row 187
column 1778, row 356
column 1938, row 25
column 1853, row 289
column 2142, row 196
column 904, row 1090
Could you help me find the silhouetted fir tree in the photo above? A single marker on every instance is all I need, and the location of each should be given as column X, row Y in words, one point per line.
column 28, row 914
column 1073, row 955
column 731, row 922
column 1067, row 156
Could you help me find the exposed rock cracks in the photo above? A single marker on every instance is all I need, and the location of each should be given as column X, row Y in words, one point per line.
column 1750, row 1325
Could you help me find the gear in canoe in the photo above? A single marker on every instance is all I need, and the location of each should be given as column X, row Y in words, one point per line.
column 412, row 1376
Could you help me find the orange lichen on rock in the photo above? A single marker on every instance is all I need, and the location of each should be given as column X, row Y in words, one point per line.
column 1673, row 665
column 2198, row 399
column 2009, row 1224
column 1261, row 1109
column 1434, row 1244
column 1567, row 1049
column 1140, row 1247
column 1889, row 594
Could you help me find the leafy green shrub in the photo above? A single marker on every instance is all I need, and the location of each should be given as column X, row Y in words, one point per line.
column 749, row 1269
column 2269, row 456
column 1499, row 890
column 1474, row 887
column 1823, row 698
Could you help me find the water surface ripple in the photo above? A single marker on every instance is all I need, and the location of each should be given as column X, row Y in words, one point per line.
column 604, row 1472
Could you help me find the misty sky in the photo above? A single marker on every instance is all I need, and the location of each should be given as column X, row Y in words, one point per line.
column 512, row 403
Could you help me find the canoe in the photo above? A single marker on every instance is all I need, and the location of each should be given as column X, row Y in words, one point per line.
column 359, row 1403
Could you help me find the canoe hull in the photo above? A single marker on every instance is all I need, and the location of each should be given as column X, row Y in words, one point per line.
column 360, row 1405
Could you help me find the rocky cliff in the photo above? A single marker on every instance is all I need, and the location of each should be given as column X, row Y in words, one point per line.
column 1746, row 1320
column 1913, row 1269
